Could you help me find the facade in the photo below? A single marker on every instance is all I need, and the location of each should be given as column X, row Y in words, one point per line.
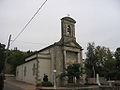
column 52, row 60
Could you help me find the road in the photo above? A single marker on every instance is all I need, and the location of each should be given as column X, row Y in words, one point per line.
column 8, row 86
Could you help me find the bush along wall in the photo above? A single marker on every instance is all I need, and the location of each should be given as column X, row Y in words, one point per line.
column 45, row 82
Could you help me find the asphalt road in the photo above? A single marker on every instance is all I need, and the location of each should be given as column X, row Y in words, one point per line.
column 8, row 86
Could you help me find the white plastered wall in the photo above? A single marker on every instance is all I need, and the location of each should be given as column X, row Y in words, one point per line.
column 44, row 68
column 29, row 77
column 44, row 64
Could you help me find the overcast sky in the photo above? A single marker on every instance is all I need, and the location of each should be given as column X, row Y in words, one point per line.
column 97, row 21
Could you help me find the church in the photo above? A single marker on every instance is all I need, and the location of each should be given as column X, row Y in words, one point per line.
column 52, row 60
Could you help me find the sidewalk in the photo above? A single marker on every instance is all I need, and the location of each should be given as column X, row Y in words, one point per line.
column 13, row 81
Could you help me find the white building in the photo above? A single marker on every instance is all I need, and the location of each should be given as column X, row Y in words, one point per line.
column 52, row 58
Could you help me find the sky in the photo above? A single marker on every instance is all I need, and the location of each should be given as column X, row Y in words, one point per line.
column 96, row 21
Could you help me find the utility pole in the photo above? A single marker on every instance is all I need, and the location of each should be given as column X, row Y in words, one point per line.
column 7, row 54
column 9, row 42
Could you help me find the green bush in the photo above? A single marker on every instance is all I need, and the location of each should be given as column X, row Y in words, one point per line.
column 45, row 78
column 47, row 84
column 1, row 84
column 117, row 84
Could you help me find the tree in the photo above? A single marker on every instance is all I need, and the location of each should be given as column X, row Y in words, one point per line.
column 91, row 60
column 109, row 69
column 72, row 71
column 2, row 56
column 98, row 59
column 2, row 60
column 102, row 53
column 111, row 66
column 15, row 58
column 117, row 57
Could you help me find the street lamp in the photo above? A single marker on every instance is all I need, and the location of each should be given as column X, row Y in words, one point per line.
column 54, row 71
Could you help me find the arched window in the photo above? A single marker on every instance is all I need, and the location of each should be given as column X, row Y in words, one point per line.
column 68, row 30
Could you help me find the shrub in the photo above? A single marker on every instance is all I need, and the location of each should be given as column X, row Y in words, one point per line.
column 47, row 84
column 117, row 84
column 45, row 78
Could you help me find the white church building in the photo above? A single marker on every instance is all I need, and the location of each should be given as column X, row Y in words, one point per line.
column 52, row 60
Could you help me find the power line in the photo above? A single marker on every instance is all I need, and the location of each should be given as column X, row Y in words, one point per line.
column 29, row 21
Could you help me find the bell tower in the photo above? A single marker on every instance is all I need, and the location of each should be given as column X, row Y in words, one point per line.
column 68, row 29
column 67, row 50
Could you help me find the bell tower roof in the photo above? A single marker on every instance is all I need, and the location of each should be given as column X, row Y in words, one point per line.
column 68, row 19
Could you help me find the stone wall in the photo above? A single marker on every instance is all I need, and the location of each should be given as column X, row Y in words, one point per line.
column 101, row 79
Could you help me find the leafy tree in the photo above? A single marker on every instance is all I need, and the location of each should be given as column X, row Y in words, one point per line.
column 2, row 56
column 100, row 53
column 16, row 58
column 98, row 60
column 109, row 69
column 2, row 60
column 117, row 57
column 72, row 71
column 91, row 60
column 111, row 66
column 103, row 54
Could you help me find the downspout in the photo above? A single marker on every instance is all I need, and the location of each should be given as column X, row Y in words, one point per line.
column 54, row 70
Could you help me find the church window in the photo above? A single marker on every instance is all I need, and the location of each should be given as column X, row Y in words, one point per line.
column 33, row 69
column 25, row 71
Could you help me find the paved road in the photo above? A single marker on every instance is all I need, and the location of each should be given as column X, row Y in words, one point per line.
column 8, row 86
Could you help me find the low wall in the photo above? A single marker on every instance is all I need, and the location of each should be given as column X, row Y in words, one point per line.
column 83, row 88
column 101, row 79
